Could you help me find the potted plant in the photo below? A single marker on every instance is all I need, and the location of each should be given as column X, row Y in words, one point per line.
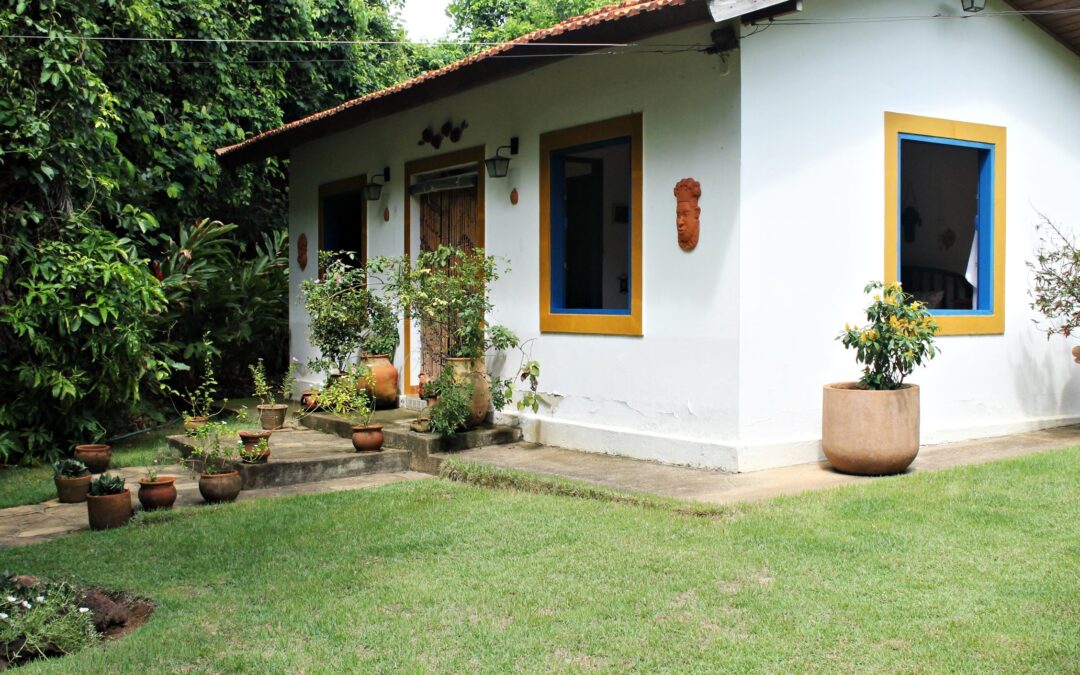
column 871, row 427
column 347, row 397
column 157, row 491
column 72, row 480
column 272, row 413
column 96, row 456
column 346, row 319
column 212, row 462
column 448, row 291
column 200, row 400
column 254, row 443
column 108, row 503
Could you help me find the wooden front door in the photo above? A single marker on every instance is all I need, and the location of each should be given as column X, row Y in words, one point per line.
column 447, row 218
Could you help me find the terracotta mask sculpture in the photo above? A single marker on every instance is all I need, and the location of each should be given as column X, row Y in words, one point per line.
column 687, row 212
column 301, row 252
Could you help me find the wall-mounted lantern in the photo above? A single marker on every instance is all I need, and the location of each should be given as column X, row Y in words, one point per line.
column 498, row 166
column 973, row 5
column 373, row 190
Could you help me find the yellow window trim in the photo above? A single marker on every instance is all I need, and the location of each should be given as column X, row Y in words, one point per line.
column 896, row 124
column 602, row 324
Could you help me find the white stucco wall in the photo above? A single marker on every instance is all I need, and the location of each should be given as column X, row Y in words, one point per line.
column 813, row 100
column 670, row 395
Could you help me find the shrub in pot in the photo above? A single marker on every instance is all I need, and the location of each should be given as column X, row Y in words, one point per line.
column 108, row 503
column 199, row 401
column 72, row 479
column 448, row 290
column 871, row 427
column 212, row 462
column 347, row 397
column 271, row 413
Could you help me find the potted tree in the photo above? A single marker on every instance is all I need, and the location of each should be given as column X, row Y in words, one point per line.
column 212, row 462
column 871, row 427
column 380, row 342
column 72, row 480
column 348, row 397
column 272, row 413
column 157, row 491
column 108, row 503
column 448, row 291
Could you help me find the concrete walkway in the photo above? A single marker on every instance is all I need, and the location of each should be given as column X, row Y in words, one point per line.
column 21, row 525
column 724, row 488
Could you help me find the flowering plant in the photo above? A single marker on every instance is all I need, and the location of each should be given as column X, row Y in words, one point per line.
column 41, row 620
column 899, row 336
column 1055, row 290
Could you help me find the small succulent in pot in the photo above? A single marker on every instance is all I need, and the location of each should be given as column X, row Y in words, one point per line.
column 108, row 504
column 72, row 479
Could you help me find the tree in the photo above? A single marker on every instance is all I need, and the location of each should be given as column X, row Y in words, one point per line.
column 502, row 20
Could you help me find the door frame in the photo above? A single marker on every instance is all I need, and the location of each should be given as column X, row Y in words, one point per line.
column 474, row 155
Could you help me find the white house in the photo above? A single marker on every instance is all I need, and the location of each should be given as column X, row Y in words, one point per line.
column 835, row 142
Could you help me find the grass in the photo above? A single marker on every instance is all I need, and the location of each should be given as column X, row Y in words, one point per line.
column 33, row 484
column 972, row 569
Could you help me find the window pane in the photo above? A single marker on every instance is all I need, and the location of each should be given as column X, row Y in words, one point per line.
column 940, row 222
column 343, row 229
column 591, row 227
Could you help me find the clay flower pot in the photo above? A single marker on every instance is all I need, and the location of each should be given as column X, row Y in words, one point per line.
column 72, row 490
column 870, row 432
column 157, row 494
column 108, row 511
column 367, row 438
column 95, row 456
column 219, row 487
column 473, row 370
column 385, row 374
column 251, row 439
column 194, row 423
column 272, row 416
column 309, row 400
column 1076, row 354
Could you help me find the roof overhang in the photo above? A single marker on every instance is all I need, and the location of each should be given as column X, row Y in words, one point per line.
column 620, row 24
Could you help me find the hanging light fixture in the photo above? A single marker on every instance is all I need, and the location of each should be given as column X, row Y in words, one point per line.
column 498, row 166
column 373, row 190
column 973, row 6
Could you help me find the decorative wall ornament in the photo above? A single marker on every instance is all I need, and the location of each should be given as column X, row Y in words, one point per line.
column 687, row 212
column 301, row 252
column 446, row 131
column 514, row 196
column 386, row 215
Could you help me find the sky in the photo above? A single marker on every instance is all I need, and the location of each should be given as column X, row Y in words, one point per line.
column 425, row 19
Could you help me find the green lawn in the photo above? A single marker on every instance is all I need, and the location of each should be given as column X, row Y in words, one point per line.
column 974, row 569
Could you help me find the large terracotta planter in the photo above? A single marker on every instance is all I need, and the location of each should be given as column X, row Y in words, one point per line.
column 385, row 375
column 108, row 511
column 95, row 456
column 219, row 487
column 193, row 423
column 157, row 494
column 72, row 490
column 272, row 416
column 870, row 433
column 367, row 438
column 473, row 370
column 251, row 439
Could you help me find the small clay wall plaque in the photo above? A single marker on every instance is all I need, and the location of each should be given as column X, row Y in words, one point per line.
column 301, row 252
column 687, row 212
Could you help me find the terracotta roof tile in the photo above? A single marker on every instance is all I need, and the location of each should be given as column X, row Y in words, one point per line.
column 612, row 13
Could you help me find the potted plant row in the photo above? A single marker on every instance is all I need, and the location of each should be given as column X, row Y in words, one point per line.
column 871, row 427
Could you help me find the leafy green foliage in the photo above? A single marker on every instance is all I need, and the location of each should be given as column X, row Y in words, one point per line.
column 41, row 622
column 899, row 336
column 107, row 484
column 211, row 454
column 70, row 468
column 347, row 397
column 502, row 20
column 1055, row 291
column 451, row 412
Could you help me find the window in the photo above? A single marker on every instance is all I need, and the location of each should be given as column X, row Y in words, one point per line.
column 590, row 228
column 945, row 219
column 343, row 217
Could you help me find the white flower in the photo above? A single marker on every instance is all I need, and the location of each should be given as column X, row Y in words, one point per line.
column 3, row 616
column 11, row 598
column 26, row 604
column 84, row 610
column 40, row 598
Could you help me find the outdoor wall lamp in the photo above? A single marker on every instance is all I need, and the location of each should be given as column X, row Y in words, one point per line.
column 373, row 190
column 498, row 166
column 973, row 5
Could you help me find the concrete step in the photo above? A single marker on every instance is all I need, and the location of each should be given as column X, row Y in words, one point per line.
column 305, row 456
